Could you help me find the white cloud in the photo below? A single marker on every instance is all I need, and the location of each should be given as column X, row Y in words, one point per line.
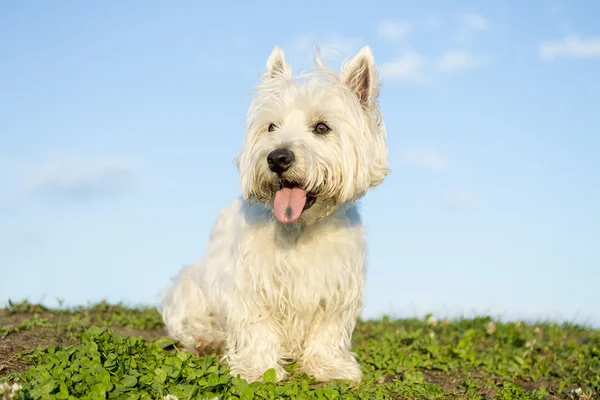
column 470, row 27
column 407, row 68
column 393, row 29
column 456, row 60
column 474, row 21
column 424, row 158
column 79, row 177
column 571, row 46
column 410, row 67
column 416, row 69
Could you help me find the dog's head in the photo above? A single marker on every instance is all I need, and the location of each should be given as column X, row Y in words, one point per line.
column 315, row 141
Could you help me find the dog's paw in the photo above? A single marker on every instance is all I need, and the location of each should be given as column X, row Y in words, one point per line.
column 333, row 367
column 256, row 374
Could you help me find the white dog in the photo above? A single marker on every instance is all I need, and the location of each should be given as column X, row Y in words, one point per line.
column 283, row 275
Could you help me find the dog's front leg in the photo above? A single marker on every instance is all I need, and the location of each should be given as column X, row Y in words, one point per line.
column 327, row 354
column 252, row 348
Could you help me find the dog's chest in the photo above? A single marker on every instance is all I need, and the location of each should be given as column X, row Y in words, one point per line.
column 299, row 277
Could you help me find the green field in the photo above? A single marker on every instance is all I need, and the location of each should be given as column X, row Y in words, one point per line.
column 111, row 351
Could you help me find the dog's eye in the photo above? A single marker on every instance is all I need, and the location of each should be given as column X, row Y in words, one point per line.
column 272, row 127
column 321, row 129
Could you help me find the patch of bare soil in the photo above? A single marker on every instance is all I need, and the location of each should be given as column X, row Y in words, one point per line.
column 443, row 379
column 14, row 343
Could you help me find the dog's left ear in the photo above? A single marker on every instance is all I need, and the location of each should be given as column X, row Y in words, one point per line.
column 360, row 75
column 277, row 65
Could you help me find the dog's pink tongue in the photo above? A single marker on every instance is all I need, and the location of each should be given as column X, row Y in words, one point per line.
column 289, row 203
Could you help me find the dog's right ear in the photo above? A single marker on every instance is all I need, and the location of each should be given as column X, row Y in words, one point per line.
column 277, row 65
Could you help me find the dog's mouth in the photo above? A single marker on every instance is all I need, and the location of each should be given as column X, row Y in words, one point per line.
column 290, row 201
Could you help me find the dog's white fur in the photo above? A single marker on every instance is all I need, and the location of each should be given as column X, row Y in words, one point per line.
column 269, row 292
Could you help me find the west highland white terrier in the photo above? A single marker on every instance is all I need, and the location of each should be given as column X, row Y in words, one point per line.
column 283, row 275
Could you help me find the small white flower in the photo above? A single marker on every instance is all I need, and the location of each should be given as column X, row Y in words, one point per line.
column 8, row 391
column 432, row 335
column 170, row 397
column 432, row 320
column 490, row 328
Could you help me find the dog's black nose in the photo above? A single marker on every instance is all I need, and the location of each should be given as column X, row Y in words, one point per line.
column 280, row 160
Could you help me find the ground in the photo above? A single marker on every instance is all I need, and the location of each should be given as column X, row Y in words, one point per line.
column 112, row 351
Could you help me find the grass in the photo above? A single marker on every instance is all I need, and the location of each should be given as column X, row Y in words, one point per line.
column 111, row 351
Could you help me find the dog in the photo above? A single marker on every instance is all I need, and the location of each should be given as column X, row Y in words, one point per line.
column 283, row 276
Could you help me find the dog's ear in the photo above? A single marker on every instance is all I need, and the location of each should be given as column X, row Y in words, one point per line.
column 277, row 65
column 360, row 75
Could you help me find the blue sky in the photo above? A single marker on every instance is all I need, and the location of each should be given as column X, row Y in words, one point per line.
column 119, row 122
